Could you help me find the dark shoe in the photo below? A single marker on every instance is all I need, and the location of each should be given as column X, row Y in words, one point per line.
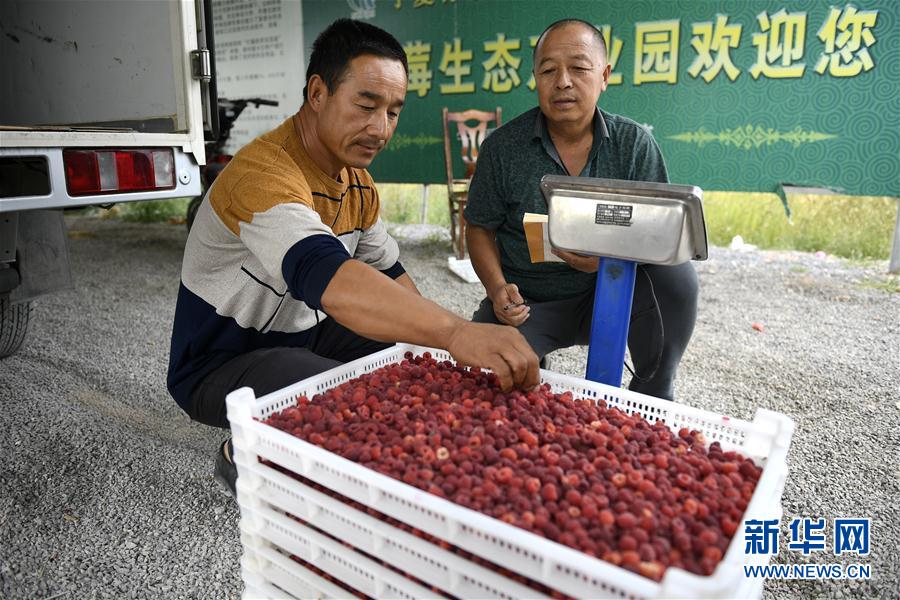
column 226, row 472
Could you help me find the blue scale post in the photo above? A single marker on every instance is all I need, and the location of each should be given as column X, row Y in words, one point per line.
column 624, row 223
column 609, row 323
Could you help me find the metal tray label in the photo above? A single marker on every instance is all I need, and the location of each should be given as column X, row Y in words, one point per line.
column 613, row 214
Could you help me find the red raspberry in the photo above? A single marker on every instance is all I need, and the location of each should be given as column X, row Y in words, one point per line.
column 626, row 520
column 626, row 542
column 607, row 517
column 508, row 453
column 573, row 497
column 548, row 492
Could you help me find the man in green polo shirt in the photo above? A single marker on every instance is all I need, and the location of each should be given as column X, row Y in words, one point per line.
column 551, row 303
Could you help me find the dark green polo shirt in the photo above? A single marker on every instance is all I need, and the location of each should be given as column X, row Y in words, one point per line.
column 505, row 186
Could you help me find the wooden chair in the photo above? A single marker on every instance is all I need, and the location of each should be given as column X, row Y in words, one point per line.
column 470, row 137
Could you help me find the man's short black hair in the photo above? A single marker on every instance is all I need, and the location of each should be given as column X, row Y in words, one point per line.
column 341, row 42
column 598, row 35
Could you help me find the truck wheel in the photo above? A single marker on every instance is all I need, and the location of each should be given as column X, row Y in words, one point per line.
column 13, row 326
column 192, row 210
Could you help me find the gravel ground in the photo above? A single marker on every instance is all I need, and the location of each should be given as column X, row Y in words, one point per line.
column 106, row 487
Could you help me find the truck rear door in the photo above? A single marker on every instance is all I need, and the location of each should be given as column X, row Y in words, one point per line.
column 117, row 87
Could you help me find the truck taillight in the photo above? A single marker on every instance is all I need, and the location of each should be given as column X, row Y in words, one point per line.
column 110, row 171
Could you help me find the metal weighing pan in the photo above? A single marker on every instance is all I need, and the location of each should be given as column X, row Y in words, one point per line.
column 656, row 223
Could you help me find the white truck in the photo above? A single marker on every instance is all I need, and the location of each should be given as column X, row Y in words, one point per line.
column 101, row 101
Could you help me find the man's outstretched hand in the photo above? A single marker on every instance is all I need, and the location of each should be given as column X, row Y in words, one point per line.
column 499, row 348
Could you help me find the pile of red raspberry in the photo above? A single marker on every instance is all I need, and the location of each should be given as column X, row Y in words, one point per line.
column 608, row 484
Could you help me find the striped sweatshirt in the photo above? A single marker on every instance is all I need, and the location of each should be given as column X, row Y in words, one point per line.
column 266, row 241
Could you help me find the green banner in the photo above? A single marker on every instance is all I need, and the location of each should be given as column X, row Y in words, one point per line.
column 741, row 95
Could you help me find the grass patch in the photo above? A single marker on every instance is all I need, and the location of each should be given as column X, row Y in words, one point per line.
column 154, row 211
column 855, row 227
column 438, row 207
column 402, row 203
column 148, row 211
column 890, row 284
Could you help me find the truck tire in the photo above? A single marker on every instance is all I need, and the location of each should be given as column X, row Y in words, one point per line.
column 192, row 210
column 13, row 326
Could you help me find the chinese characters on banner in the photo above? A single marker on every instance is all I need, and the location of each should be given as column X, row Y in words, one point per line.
column 779, row 40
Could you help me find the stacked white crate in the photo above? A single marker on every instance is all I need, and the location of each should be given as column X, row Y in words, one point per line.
column 269, row 537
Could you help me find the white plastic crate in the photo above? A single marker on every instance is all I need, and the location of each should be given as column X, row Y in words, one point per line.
column 264, row 495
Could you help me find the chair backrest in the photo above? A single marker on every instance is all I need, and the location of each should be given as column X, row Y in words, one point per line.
column 470, row 136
